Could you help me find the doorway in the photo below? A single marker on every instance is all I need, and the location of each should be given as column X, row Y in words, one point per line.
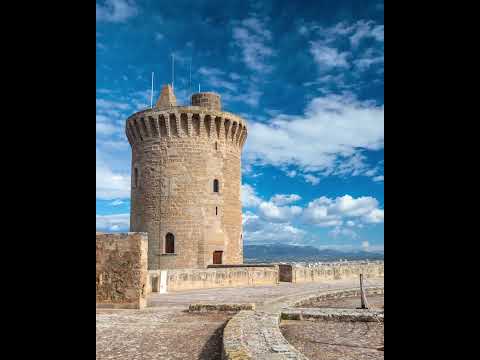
column 217, row 257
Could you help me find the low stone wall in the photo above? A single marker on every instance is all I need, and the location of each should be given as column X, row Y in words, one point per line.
column 121, row 270
column 333, row 271
column 237, row 276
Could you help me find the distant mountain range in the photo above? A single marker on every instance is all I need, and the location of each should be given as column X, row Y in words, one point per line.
column 293, row 253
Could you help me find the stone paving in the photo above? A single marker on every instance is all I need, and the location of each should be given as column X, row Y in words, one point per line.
column 166, row 331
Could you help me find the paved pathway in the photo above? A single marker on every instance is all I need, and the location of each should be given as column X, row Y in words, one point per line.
column 165, row 331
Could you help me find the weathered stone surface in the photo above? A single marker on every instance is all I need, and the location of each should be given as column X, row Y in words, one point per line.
column 220, row 307
column 177, row 153
column 121, row 270
column 189, row 279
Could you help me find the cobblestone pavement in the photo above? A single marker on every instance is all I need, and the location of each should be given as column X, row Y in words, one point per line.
column 165, row 331
column 331, row 340
column 159, row 334
column 374, row 302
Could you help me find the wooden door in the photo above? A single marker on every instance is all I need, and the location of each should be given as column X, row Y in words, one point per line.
column 217, row 257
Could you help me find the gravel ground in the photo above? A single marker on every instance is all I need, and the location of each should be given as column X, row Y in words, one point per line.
column 329, row 340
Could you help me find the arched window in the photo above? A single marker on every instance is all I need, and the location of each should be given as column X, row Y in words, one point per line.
column 169, row 244
column 216, row 210
column 135, row 177
column 215, row 185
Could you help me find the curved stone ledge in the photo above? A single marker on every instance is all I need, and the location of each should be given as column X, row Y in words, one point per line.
column 253, row 335
column 351, row 315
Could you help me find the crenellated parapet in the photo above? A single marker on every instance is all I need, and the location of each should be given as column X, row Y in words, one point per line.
column 186, row 121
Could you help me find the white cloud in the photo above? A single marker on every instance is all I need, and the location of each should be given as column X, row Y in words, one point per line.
column 327, row 57
column 276, row 213
column 326, row 212
column 366, row 29
column 257, row 230
column 378, row 178
column 117, row 202
column 343, row 232
column 109, row 184
column 284, row 199
column 116, row 222
column 116, row 11
column 251, row 36
column 333, row 131
column 159, row 36
column 309, row 178
column 271, row 210
column 375, row 216
column 249, row 198
column 213, row 78
column 365, row 245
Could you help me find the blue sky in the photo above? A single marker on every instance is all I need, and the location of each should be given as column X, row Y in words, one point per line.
column 307, row 76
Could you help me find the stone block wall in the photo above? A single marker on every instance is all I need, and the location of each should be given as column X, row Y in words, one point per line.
column 336, row 271
column 190, row 279
column 121, row 270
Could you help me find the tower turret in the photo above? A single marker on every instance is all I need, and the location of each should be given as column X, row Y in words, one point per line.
column 186, row 179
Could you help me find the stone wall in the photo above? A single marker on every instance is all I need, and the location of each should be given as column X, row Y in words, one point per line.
column 190, row 279
column 176, row 155
column 121, row 270
column 335, row 271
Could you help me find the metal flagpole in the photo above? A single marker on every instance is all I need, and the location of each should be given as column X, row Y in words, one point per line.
column 173, row 71
column 151, row 94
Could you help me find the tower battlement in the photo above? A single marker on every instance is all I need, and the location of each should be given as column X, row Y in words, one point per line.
column 186, row 121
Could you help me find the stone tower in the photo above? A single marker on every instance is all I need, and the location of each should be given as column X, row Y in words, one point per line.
column 186, row 179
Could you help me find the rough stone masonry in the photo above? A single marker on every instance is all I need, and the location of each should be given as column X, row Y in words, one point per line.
column 186, row 179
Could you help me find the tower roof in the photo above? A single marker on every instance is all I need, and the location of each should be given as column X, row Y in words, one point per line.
column 167, row 97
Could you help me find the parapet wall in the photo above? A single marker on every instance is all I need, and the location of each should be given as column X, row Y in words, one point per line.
column 121, row 270
column 190, row 279
column 330, row 271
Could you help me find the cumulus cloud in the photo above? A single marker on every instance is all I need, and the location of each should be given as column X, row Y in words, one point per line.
column 378, row 178
column 248, row 196
column 116, row 11
column 257, row 230
column 343, row 232
column 109, row 184
column 326, row 212
column 272, row 212
column 329, row 136
column 113, row 223
column 309, row 178
column 284, row 199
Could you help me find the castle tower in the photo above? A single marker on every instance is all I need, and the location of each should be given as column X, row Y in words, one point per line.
column 186, row 179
